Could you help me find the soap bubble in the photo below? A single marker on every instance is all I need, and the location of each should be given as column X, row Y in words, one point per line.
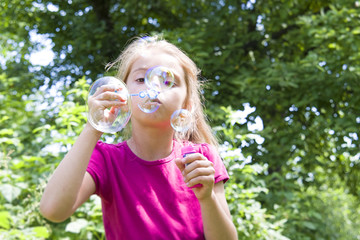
column 181, row 120
column 148, row 105
column 159, row 78
column 111, row 119
column 148, row 102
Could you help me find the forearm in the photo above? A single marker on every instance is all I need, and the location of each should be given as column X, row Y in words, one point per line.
column 63, row 187
column 217, row 224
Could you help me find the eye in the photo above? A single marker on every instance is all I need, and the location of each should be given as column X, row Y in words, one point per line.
column 140, row 80
column 168, row 83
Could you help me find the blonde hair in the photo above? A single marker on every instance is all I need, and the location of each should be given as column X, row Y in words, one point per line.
column 200, row 130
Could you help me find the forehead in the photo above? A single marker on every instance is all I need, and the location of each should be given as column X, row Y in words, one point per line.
column 157, row 57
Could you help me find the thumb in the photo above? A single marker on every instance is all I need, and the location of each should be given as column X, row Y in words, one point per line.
column 179, row 164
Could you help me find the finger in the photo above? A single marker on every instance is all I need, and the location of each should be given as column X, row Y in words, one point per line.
column 107, row 87
column 112, row 96
column 198, row 172
column 192, row 165
column 193, row 174
column 109, row 104
column 193, row 157
column 114, row 110
column 179, row 164
column 113, row 88
column 201, row 181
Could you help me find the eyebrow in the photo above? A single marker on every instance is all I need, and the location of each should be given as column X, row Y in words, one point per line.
column 141, row 69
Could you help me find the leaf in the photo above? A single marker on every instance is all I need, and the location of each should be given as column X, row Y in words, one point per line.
column 356, row 31
column 9, row 192
column 45, row 127
column 332, row 45
column 4, row 220
column 6, row 131
column 9, row 141
column 41, row 232
column 76, row 226
column 309, row 225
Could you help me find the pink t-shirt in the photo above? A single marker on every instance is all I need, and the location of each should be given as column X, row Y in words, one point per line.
column 148, row 199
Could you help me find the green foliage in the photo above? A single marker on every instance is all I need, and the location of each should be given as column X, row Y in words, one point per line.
column 20, row 189
column 242, row 190
column 333, row 211
column 295, row 63
column 24, row 170
column 250, row 218
column 292, row 209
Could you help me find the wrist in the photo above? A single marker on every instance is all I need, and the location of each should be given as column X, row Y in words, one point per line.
column 210, row 199
column 91, row 130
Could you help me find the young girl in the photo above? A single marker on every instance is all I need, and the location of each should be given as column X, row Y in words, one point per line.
column 147, row 188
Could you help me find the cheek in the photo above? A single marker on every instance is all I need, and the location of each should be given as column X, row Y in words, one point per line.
column 181, row 99
column 184, row 96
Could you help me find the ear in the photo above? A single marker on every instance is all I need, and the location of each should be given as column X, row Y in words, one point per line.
column 188, row 105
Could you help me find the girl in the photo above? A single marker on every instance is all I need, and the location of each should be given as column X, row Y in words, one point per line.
column 148, row 189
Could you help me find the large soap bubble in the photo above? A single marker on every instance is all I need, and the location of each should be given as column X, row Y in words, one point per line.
column 181, row 120
column 109, row 119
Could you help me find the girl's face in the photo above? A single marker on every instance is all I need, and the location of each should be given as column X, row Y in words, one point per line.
column 169, row 100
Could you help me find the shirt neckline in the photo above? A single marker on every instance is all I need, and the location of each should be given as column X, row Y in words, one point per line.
column 167, row 159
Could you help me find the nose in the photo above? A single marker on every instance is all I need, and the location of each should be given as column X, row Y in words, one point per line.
column 156, row 83
column 152, row 93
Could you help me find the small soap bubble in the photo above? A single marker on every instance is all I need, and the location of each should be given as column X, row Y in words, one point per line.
column 152, row 94
column 181, row 120
column 109, row 119
column 148, row 105
column 159, row 78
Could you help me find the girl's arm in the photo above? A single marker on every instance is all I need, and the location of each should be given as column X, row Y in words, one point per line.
column 214, row 209
column 216, row 215
column 70, row 185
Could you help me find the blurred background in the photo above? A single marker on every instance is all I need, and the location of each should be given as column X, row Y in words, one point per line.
column 282, row 95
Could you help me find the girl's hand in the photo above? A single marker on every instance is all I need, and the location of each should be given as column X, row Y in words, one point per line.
column 106, row 102
column 198, row 172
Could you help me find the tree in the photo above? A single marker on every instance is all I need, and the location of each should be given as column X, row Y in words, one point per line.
column 296, row 64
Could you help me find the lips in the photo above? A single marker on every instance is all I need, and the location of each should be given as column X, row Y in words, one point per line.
column 155, row 101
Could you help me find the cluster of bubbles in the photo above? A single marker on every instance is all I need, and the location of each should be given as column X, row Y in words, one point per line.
column 113, row 119
column 158, row 80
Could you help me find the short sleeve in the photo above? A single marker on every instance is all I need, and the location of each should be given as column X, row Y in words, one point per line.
column 212, row 155
column 96, row 168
